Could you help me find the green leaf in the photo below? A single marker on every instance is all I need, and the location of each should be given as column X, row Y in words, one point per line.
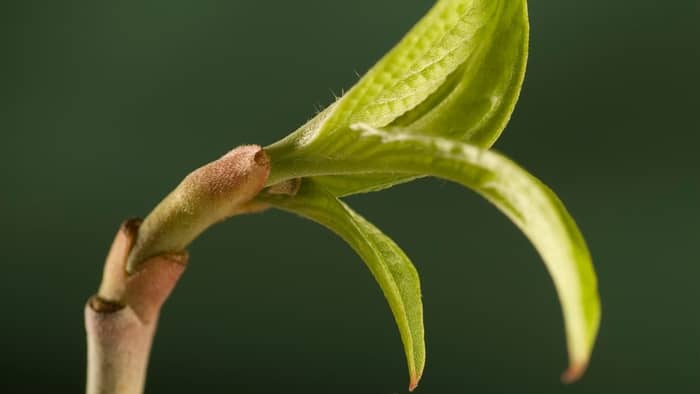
column 394, row 272
column 531, row 205
column 456, row 74
column 476, row 102
column 422, row 61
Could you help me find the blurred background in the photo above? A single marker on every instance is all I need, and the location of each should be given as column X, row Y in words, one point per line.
column 104, row 107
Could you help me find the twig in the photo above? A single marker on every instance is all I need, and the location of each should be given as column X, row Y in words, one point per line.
column 121, row 319
column 147, row 258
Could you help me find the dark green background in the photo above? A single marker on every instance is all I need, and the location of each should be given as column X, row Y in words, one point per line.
column 105, row 106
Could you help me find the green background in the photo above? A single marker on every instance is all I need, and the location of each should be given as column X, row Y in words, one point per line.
column 105, row 106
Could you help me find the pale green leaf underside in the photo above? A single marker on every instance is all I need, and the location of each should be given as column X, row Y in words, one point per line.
column 456, row 74
column 531, row 205
column 389, row 265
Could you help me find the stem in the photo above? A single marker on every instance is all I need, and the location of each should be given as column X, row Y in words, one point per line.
column 211, row 193
column 147, row 258
column 121, row 319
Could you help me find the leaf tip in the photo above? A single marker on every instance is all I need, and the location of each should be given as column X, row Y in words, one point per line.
column 415, row 378
column 574, row 372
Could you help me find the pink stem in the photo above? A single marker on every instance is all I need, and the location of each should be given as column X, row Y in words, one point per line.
column 121, row 319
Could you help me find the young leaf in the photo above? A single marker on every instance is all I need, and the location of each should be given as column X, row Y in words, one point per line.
column 531, row 205
column 446, row 49
column 394, row 272
column 475, row 103
column 456, row 74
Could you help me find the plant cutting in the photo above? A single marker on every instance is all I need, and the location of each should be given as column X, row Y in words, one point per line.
column 432, row 106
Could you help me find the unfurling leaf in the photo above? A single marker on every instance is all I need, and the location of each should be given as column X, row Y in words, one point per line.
column 432, row 106
column 394, row 272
